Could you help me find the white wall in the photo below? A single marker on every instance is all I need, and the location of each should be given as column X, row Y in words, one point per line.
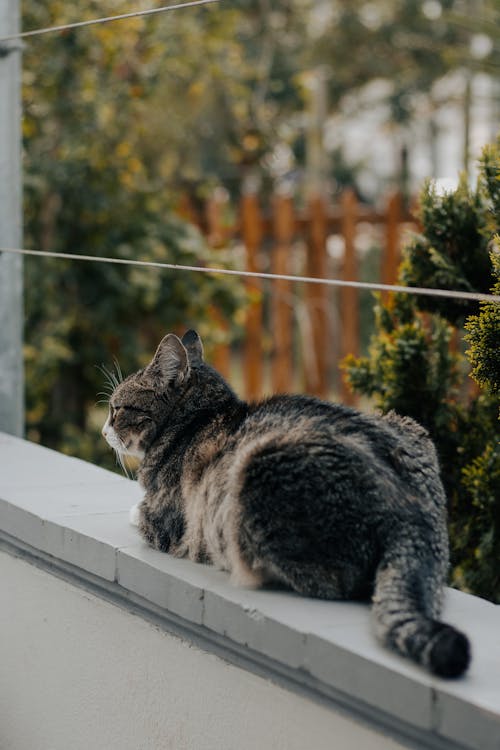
column 77, row 672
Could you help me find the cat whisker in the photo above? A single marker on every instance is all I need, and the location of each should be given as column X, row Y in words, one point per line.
column 102, row 369
column 123, row 465
column 118, row 370
column 120, row 452
column 111, row 378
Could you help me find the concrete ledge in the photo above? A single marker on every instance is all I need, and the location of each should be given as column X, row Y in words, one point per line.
column 74, row 517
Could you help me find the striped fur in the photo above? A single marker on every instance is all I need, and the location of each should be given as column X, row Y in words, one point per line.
column 316, row 496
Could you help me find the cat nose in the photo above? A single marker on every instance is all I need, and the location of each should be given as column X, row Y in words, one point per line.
column 104, row 431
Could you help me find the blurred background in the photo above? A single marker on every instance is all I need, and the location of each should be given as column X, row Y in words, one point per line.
column 288, row 137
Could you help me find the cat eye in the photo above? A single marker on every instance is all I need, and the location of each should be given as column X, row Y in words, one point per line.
column 113, row 411
column 127, row 407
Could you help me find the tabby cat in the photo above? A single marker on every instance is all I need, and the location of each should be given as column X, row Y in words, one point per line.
column 293, row 490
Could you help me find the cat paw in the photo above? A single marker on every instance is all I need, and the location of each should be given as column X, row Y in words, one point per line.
column 134, row 515
column 244, row 577
column 180, row 549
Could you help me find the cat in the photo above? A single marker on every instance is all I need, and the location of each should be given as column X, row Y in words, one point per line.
column 316, row 496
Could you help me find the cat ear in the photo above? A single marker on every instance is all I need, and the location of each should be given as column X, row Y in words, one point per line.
column 170, row 363
column 194, row 347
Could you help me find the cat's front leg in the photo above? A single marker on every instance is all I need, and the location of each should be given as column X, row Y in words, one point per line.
column 184, row 548
column 192, row 550
column 162, row 526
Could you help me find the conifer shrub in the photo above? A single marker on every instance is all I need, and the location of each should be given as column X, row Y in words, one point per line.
column 418, row 363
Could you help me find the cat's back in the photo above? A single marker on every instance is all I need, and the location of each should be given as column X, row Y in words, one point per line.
column 301, row 417
column 310, row 434
column 285, row 412
column 299, row 436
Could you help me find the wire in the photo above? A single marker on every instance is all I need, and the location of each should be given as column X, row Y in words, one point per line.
column 107, row 19
column 476, row 296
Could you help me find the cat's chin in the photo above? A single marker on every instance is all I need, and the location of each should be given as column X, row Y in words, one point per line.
column 136, row 453
column 132, row 450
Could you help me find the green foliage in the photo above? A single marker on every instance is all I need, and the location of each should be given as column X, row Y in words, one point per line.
column 394, row 41
column 80, row 315
column 203, row 96
column 94, row 184
column 411, row 45
column 490, row 175
column 415, row 365
column 120, row 118
column 478, row 542
column 483, row 329
column 483, row 335
column 409, row 367
column 452, row 251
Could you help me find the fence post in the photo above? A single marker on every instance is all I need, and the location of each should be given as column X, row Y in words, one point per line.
column 187, row 211
column 251, row 228
column 316, row 375
column 282, row 316
column 11, row 267
column 349, row 297
column 390, row 256
column 214, row 209
column 215, row 238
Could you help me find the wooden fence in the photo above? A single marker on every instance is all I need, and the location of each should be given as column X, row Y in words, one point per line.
column 282, row 320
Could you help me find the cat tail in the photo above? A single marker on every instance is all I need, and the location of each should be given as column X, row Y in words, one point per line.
column 405, row 603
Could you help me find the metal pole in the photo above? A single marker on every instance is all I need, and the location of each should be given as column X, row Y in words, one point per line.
column 11, row 278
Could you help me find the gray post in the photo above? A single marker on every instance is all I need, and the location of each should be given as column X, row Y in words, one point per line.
column 11, row 279
column 317, row 110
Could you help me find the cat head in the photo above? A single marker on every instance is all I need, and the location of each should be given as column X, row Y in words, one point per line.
column 175, row 384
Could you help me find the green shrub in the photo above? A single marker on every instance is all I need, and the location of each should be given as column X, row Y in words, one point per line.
column 417, row 364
